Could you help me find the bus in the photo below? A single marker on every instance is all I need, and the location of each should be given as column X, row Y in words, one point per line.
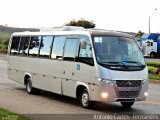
column 91, row 65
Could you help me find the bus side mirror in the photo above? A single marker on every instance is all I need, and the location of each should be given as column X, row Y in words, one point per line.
column 83, row 44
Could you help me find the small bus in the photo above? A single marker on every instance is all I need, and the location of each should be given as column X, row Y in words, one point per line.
column 87, row 64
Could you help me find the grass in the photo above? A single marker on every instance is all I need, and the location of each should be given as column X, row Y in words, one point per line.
column 154, row 77
column 8, row 115
column 4, row 40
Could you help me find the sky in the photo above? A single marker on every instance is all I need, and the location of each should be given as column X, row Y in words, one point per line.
column 118, row 15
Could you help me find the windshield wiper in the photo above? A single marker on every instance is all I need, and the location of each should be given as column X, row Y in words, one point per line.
column 138, row 63
column 119, row 63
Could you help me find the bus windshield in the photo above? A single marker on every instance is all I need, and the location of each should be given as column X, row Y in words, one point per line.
column 117, row 50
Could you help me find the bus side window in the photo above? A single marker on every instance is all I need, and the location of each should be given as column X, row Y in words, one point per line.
column 70, row 51
column 45, row 47
column 34, row 45
column 15, row 45
column 57, row 49
column 23, row 51
column 85, row 52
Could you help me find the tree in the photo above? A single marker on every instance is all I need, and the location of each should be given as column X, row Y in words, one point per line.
column 82, row 22
column 138, row 35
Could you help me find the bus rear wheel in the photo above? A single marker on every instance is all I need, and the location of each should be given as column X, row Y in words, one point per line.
column 30, row 89
column 84, row 100
column 127, row 104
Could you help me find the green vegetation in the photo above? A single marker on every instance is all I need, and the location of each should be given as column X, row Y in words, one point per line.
column 5, row 33
column 4, row 40
column 154, row 70
column 82, row 23
column 8, row 115
column 154, row 64
column 154, row 77
column 138, row 35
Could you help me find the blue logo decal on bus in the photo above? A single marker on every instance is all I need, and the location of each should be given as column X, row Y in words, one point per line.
column 125, row 62
column 78, row 66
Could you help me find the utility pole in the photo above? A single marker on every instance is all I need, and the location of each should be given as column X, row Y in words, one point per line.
column 149, row 24
column 150, row 17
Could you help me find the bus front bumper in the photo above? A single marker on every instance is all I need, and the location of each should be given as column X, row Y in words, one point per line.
column 112, row 93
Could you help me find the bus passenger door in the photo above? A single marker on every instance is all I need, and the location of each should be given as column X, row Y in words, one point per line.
column 69, row 66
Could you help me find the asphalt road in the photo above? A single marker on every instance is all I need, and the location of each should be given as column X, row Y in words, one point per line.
column 14, row 97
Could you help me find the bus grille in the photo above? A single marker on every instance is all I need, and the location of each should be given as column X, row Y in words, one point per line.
column 128, row 94
column 128, row 83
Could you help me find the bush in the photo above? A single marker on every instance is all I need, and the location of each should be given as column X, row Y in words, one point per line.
column 154, row 64
column 152, row 69
column 82, row 22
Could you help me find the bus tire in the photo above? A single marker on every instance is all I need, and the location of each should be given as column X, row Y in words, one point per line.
column 152, row 55
column 84, row 99
column 127, row 104
column 30, row 89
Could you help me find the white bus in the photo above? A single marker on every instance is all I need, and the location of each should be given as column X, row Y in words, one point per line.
column 90, row 65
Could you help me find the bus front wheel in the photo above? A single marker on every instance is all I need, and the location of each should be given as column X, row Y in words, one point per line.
column 127, row 104
column 30, row 89
column 84, row 100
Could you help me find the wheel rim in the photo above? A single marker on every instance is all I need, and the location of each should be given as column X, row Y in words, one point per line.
column 29, row 86
column 152, row 55
column 85, row 99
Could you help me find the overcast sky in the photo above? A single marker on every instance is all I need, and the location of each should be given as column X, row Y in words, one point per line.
column 121, row 15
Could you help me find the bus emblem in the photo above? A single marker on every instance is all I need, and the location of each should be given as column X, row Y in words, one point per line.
column 129, row 84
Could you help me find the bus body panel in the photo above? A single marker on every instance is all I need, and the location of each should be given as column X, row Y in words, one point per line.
column 68, row 79
column 85, row 75
column 121, row 75
column 43, row 74
column 64, row 77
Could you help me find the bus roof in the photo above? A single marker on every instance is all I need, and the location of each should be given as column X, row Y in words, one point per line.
column 93, row 32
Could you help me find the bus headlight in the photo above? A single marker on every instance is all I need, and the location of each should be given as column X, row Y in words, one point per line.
column 104, row 95
column 144, row 82
column 146, row 94
column 105, row 81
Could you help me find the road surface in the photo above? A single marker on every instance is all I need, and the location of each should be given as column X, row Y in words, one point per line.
column 14, row 97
